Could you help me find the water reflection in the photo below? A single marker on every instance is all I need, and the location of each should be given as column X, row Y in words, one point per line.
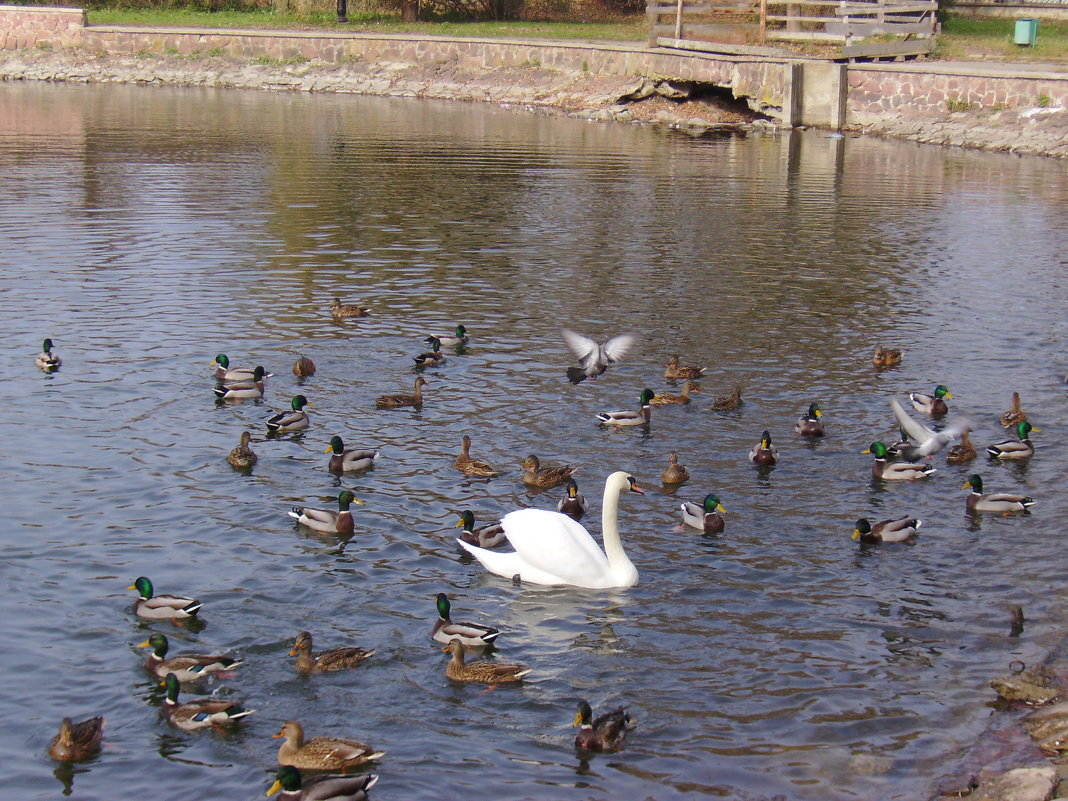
column 146, row 231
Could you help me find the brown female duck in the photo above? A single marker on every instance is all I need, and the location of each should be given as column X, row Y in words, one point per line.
column 326, row 661
column 549, row 476
column 401, row 399
column 485, row 672
column 321, row 753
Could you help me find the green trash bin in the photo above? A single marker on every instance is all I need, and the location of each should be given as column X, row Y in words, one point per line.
column 1026, row 32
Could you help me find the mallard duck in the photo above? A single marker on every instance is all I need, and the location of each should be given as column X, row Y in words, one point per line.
column 341, row 311
column 303, row 367
column 485, row 672
column 48, row 359
column 433, row 357
column 1014, row 416
column 488, row 536
column 962, row 453
column 928, row 441
column 764, row 453
column 552, row 549
column 401, row 399
column 326, row 661
column 996, row 501
column 573, row 504
column 934, row 405
column 466, row 463
column 675, row 371
column 628, row 417
column 296, row 419
column 162, row 607
column 291, row 786
column 339, row 522
column 547, row 477
column 187, row 667
column 810, row 424
column 456, row 339
column 603, row 733
column 891, row 471
column 886, row 357
column 472, row 635
column 241, row 389
column 242, row 457
column 76, row 741
column 705, row 517
column 224, row 372
column 321, row 753
column 345, row 461
column 901, row 530
column 199, row 713
column 904, row 449
column 674, row 473
column 1020, row 448
column 682, row 397
column 728, row 403
column 594, row 358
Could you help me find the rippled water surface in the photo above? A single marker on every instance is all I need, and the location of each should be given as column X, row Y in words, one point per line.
column 147, row 230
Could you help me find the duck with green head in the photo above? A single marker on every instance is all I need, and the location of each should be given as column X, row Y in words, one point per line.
column 351, row 460
column 810, row 424
column 457, row 339
column 902, row 529
column 433, row 357
column 48, row 360
column 764, row 453
column 1012, row 449
column 242, row 389
column 630, row 418
column 935, row 404
column 706, row 517
column 573, row 504
column 295, row 419
column 998, row 502
column 471, row 635
column 603, row 733
column 224, row 372
column 488, row 536
column 162, row 606
column 199, row 713
column 883, row 468
column 187, row 667
column 291, row 786
column 327, row 520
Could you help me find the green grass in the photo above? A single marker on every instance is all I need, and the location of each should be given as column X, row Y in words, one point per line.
column 972, row 38
column 626, row 30
column 963, row 38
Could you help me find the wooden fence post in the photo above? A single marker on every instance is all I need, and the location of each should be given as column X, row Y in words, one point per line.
column 678, row 20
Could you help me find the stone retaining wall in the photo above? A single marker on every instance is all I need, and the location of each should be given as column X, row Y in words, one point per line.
column 877, row 92
column 26, row 26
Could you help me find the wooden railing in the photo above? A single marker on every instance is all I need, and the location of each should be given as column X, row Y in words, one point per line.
column 837, row 21
column 845, row 20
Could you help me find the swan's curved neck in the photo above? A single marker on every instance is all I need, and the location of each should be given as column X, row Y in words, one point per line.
column 613, row 547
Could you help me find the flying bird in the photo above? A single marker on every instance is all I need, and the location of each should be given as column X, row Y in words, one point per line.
column 928, row 441
column 593, row 358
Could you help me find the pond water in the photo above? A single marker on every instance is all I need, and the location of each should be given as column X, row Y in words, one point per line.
column 146, row 230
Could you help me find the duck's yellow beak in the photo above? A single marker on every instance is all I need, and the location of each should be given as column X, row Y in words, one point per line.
column 460, row 524
column 819, row 413
column 132, row 587
column 291, row 653
column 866, row 450
column 329, row 449
column 274, row 788
column 967, row 485
column 1039, row 430
column 145, row 644
column 856, row 533
column 578, row 719
column 719, row 508
column 949, row 395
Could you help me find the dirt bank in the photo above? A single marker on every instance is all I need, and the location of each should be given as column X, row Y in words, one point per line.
column 598, row 97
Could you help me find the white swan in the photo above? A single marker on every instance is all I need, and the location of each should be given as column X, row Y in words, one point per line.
column 551, row 548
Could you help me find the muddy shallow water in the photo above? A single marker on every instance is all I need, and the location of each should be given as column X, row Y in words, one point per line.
column 147, row 230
